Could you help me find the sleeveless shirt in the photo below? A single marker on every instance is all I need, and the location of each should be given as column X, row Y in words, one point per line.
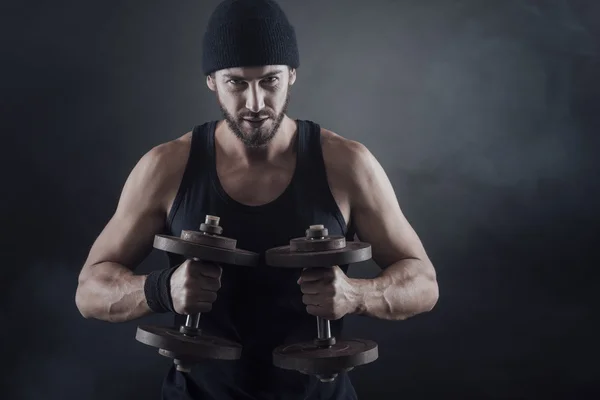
column 259, row 307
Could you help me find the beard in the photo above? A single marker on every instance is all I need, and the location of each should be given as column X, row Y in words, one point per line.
column 255, row 137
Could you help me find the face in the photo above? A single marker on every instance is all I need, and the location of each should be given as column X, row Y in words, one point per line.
column 253, row 100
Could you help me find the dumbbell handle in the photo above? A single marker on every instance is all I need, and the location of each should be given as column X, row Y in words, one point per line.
column 189, row 329
column 323, row 328
column 192, row 322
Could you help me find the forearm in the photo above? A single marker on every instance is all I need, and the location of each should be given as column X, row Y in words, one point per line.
column 111, row 292
column 402, row 290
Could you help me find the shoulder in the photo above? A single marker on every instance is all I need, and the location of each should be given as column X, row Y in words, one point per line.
column 166, row 158
column 159, row 171
column 352, row 170
column 169, row 155
column 345, row 157
column 358, row 174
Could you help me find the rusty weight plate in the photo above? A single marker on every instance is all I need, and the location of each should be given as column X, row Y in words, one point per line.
column 191, row 249
column 208, row 239
column 171, row 341
column 317, row 244
column 285, row 257
column 308, row 358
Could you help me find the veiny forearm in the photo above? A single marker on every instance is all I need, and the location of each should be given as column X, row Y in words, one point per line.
column 402, row 290
column 111, row 292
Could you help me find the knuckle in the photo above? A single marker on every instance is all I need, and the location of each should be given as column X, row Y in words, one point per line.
column 209, row 270
column 205, row 284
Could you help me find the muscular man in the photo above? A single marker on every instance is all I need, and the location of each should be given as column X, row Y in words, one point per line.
column 268, row 177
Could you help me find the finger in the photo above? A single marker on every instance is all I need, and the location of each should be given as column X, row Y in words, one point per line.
column 314, row 274
column 317, row 311
column 200, row 283
column 195, row 308
column 206, row 296
column 311, row 300
column 209, row 284
column 203, row 307
column 194, row 267
column 210, row 270
column 310, row 287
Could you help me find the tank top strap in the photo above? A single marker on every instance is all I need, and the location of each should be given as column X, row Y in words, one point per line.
column 203, row 143
column 313, row 173
column 196, row 165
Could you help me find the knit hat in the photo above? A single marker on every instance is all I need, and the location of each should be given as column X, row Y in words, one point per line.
column 245, row 33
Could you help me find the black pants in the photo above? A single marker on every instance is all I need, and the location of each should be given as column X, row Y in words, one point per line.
column 180, row 386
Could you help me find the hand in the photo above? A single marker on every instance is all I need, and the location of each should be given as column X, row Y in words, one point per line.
column 327, row 292
column 194, row 286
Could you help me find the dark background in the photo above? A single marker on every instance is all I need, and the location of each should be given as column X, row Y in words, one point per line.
column 484, row 114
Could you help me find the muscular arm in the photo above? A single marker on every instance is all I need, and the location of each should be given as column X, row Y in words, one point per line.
column 108, row 289
column 407, row 284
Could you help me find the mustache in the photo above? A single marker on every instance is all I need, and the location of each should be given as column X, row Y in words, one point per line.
column 251, row 115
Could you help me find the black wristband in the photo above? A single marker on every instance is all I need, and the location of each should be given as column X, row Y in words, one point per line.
column 157, row 289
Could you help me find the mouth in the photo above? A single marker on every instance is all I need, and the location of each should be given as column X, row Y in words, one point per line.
column 255, row 121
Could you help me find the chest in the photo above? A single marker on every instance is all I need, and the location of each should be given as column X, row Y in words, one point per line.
column 256, row 185
column 262, row 185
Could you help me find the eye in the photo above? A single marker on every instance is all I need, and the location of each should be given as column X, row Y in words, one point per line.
column 271, row 79
column 235, row 82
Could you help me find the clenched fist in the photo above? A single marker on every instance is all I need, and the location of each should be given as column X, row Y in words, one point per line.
column 194, row 286
column 327, row 292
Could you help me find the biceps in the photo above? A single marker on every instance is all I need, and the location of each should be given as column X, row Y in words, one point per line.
column 380, row 221
column 391, row 236
column 127, row 239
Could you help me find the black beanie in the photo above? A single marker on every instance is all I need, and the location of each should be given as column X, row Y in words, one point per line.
column 246, row 33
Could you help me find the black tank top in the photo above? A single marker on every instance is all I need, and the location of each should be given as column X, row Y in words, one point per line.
column 259, row 307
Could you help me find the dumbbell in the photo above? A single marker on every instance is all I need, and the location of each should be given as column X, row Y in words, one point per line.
column 188, row 345
column 326, row 356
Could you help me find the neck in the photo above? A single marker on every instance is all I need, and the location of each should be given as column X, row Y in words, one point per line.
column 233, row 148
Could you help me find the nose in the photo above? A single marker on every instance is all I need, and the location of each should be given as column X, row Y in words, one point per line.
column 255, row 101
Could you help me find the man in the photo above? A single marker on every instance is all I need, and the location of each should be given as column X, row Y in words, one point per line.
column 268, row 177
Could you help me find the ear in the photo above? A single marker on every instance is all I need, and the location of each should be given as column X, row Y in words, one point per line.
column 292, row 76
column 210, row 82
